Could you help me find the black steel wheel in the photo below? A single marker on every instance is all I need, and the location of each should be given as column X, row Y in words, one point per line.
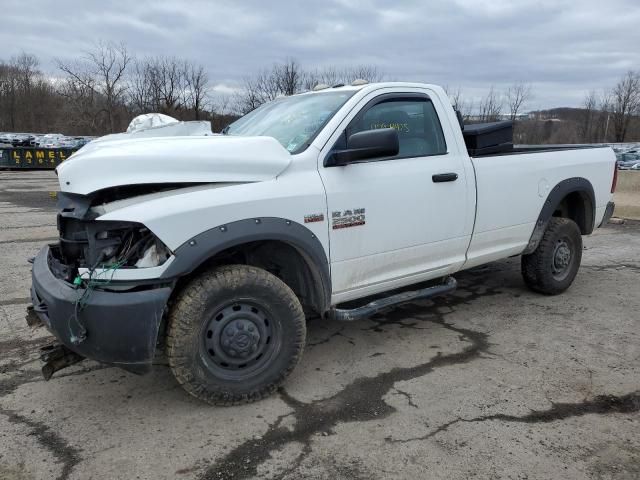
column 240, row 340
column 234, row 334
column 561, row 259
column 554, row 264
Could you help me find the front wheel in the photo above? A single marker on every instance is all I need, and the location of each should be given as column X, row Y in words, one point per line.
column 234, row 335
column 554, row 264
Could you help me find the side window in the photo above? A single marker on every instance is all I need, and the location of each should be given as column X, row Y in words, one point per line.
column 415, row 119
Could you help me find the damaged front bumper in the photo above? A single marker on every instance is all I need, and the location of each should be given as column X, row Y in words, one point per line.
column 115, row 327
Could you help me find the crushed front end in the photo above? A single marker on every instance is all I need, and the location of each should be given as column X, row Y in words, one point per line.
column 83, row 291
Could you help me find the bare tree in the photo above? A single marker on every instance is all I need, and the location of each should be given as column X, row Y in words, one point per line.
column 26, row 68
column 332, row 75
column 327, row 76
column 458, row 102
column 490, row 106
column 257, row 90
column 8, row 96
column 101, row 71
column 370, row 73
column 139, row 91
column 167, row 84
column 82, row 105
column 587, row 124
column 287, row 77
column 196, row 87
column 517, row 95
column 625, row 103
column 604, row 119
column 170, row 86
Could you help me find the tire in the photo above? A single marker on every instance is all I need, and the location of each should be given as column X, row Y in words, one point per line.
column 554, row 264
column 234, row 334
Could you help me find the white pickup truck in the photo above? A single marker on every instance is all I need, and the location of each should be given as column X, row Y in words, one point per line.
column 218, row 247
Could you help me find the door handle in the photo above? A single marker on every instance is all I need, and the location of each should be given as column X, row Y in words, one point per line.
column 444, row 177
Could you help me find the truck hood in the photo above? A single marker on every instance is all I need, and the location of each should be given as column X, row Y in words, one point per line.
column 184, row 159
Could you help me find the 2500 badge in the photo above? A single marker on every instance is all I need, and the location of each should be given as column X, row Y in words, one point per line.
column 347, row 218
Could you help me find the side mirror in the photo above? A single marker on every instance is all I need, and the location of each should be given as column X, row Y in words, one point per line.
column 365, row 145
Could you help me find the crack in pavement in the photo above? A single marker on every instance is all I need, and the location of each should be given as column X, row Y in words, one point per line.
column 404, row 316
column 23, row 346
column 599, row 405
column 363, row 399
column 15, row 381
column 327, row 339
column 406, row 395
column 30, row 240
column 635, row 268
column 66, row 454
column 15, row 301
column 28, row 226
column 360, row 401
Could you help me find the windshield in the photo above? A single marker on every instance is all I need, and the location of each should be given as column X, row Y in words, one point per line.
column 292, row 121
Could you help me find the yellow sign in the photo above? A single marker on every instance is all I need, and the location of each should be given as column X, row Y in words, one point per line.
column 38, row 157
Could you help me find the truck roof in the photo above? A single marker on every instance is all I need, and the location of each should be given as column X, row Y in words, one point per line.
column 371, row 86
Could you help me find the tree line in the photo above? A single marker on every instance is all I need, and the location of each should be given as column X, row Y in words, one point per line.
column 611, row 116
column 103, row 89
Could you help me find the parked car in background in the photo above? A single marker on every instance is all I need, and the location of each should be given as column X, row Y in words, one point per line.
column 68, row 142
column 82, row 141
column 21, row 139
column 50, row 140
column 626, row 165
column 4, row 139
column 39, row 140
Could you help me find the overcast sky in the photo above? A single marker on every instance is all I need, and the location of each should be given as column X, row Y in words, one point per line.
column 562, row 47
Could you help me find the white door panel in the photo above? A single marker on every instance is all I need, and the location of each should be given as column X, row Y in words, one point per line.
column 403, row 207
column 411, row 265
column 406, row 227
column 496, row 244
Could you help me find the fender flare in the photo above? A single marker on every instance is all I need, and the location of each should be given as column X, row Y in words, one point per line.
column 556, row 195
column 198, row 249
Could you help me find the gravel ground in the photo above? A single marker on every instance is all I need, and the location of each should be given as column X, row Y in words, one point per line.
column 491, row 382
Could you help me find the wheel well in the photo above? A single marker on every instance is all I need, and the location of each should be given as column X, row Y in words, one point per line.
column 279, row 258
column 577, row 206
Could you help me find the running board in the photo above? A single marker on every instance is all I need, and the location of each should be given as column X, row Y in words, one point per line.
column 374, row 307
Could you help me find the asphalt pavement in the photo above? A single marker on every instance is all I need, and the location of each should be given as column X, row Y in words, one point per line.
column 493, row 381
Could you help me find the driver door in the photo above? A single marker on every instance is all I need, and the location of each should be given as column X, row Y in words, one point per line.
column 393, row 221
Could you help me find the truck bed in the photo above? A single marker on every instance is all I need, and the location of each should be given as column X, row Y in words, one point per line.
column 496, row 138
column 511, row 192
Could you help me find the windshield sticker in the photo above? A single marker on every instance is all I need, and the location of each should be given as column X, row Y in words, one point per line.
column 401, row 127
column 347, row 218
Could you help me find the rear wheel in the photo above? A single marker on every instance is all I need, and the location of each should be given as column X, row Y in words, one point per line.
column 554, row 264
column 234, row 335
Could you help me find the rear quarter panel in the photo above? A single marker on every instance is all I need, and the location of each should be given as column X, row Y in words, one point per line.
column 513, row 188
